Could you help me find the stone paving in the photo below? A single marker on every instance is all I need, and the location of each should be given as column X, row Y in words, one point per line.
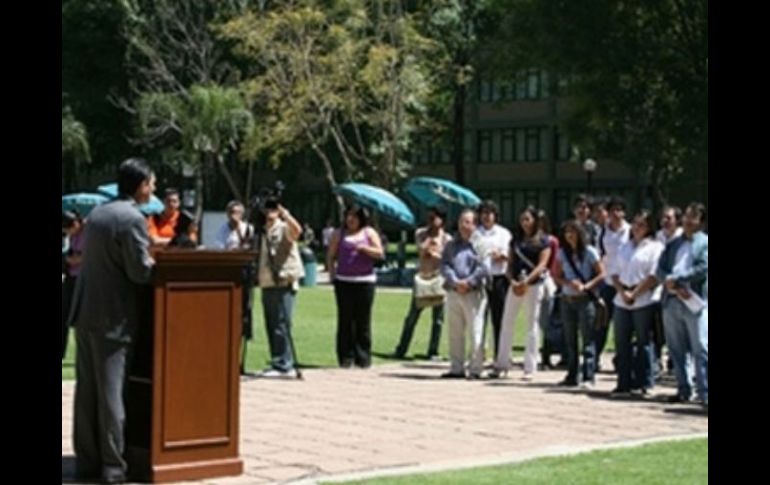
column 403, row 417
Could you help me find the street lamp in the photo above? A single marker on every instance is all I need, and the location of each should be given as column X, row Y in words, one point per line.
column 589, row 166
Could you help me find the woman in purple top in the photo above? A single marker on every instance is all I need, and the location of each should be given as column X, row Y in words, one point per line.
column 71, row 225
column 355, row 247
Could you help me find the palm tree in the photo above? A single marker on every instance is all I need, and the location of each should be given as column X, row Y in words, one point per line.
column 205, row 124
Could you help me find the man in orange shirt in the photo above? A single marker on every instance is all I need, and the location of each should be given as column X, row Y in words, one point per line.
column 162, row 227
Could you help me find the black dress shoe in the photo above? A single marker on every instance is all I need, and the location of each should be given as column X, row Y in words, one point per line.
column 86, row 478
column 567, row 383
column 114, row 479
column 676, row 398
column 453, row 375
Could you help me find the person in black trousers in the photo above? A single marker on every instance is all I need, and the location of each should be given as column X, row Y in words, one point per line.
column 355, row 248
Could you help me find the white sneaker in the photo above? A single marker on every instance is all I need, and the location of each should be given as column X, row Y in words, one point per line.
column 527, row 377
column 588, row 385
column 278, row 374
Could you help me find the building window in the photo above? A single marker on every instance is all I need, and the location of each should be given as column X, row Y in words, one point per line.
column 485, row 146
column 508, row 149
column 533, row 84
column 532, row 197
column 526, row 84
column 468, row 146
column 521, row 88
column 497, row 94
column 533, row 144
column 496, row 146
column 485, row 90
column 446, row 153
column 562, row 147
column 508, row 217
column 546, row 150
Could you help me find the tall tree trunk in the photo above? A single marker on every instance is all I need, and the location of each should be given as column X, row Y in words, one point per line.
column 458, row 133
column 199, row 185
column 329, row 172
column 220, row 161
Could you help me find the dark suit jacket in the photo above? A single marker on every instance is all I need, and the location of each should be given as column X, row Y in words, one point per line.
column 116, row 263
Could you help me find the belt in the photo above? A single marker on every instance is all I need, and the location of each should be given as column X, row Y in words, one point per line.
column 629, row 288
column 575, row 298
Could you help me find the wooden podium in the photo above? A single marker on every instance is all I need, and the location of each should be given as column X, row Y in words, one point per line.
column 182, row 394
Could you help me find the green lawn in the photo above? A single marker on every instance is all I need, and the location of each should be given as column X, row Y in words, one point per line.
column 315, row 323
column 671, row 463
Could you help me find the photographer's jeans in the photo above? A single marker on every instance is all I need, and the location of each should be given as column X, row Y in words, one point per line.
column 278, row 306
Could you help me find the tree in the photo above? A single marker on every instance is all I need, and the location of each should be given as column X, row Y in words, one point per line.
column 637, row 72
column 202, row 124
column 74, row 147
column 456, row 26
column 344, row 79
column 92, row 71
column 181, row 81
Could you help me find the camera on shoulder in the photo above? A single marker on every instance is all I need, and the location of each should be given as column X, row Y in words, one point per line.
column 268, row 198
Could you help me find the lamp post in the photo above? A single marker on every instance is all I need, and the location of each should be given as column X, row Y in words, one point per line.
column 589, row 166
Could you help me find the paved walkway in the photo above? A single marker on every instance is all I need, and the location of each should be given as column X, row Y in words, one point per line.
column 402, row 417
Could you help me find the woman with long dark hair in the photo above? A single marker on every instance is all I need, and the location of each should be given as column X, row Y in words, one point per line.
column 355, row 247
column 529, row 254
column 579, row 271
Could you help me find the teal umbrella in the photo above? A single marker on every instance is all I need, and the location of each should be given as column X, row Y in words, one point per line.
column 432, row 191
column 82, row 202
column 378, row 200
column 154, row 206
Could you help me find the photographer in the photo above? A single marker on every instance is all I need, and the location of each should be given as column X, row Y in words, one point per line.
column 280, row 269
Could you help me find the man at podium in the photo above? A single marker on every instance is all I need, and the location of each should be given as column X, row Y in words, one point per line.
column 105, row 315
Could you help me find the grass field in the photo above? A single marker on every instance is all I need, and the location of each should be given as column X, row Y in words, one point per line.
column 315, row 326
column 670, row 463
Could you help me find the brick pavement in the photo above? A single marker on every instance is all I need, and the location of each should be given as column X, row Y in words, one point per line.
column 403, row 417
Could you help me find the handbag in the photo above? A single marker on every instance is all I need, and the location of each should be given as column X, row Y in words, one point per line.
column 602, row 313
column 428, row 292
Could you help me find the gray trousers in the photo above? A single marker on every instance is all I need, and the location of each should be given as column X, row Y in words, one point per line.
column 100, row 416
column 465, row 315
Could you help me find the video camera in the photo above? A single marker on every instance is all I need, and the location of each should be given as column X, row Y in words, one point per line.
column 268, row 198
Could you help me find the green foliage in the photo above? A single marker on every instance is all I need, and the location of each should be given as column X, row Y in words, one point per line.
column 92, row 58
column 346, row 79
column 637, row 75
column 74, row 137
